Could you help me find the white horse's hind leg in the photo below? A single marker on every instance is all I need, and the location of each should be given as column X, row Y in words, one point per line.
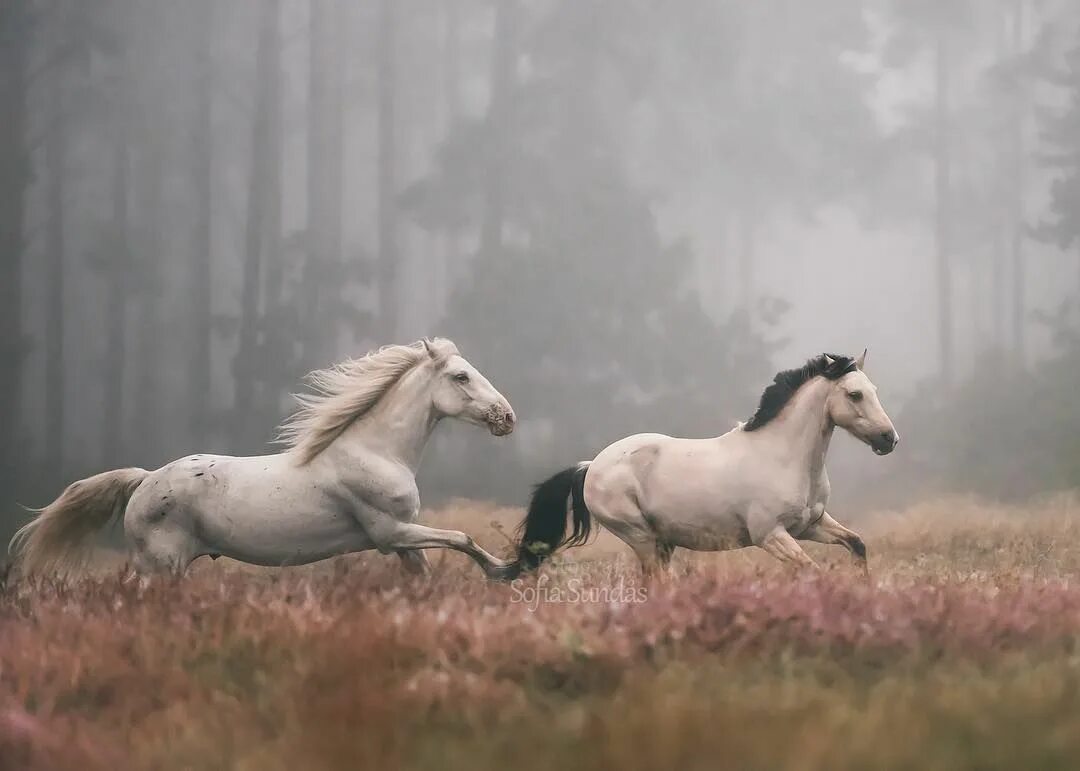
column 158, row 548
column 162, row 559
column 780, row 544
column 415, row 562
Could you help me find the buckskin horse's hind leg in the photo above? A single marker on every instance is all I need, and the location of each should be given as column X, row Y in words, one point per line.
column 779, row 543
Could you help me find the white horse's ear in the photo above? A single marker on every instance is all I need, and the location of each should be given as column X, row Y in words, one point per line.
column 427, row 347
column 859, row 362
column 829, row 360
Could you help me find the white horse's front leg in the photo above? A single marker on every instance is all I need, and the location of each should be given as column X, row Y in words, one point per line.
column 390, row 535
column 828, row 530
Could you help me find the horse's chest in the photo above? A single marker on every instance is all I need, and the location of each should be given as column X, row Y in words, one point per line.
column 797, row 519
column 803, row 509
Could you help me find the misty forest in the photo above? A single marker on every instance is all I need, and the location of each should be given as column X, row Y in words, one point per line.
column 628, row 215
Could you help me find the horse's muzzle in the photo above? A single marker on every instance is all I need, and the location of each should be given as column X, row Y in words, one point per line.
column 501, row 421
column 885, row 442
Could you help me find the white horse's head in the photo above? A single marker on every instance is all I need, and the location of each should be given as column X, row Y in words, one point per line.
column 460, row 391
column 854, row 406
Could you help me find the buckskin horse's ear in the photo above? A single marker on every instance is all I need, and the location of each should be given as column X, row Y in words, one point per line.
column 859, row 362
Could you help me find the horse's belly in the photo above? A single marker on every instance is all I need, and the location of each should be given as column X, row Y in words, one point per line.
column 696, row 501
column 701, row 533
column 291, row 539
column 255, row 509
column 686, row 491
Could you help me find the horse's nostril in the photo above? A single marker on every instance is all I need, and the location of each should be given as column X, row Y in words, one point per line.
column 889, row 437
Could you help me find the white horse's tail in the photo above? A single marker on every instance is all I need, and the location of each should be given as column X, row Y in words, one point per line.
column 57, row 539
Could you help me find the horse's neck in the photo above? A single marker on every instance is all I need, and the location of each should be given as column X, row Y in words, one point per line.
column 400, row 423
column 803, row 429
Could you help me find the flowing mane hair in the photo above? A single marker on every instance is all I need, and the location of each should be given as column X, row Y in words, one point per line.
column 830, row 365
column 348, row 390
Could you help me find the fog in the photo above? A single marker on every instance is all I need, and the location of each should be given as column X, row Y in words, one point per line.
column 628, row 215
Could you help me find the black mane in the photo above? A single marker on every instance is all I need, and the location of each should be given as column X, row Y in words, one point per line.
column 786, row 383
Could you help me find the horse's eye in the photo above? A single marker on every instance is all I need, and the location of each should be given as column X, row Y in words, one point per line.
column 461, row 377
column 855, row 396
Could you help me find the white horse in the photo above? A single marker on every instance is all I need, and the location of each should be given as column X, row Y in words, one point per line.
column 761, row 484
column 347, row 483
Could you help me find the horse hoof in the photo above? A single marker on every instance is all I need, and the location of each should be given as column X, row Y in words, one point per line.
column 504, row 574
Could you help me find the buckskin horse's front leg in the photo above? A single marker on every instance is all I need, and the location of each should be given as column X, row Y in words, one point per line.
column 828, row 530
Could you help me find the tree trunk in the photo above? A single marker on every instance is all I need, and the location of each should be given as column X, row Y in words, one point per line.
column 446, row 270
column 1017, row 216
column 334, row 181
column 119, row 290
column 747, row 254
column 14, row 32
column 276, row 343
column 451, row 69
column 149, row 191
column 751, row 67
column 56, row 162
column 500, row 120
column 310, row 311
column 1002, row 205
column 387, row 172
column 325, row 159
column 1000, row 255
column 247, row 354
column 942, row 173
column 202, row 181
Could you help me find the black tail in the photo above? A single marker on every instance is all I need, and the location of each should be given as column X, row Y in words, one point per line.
column 544, row 528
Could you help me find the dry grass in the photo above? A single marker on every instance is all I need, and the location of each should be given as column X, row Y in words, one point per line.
column 962, row 654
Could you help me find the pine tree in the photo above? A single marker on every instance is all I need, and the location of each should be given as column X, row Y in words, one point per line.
column 15, row 25
column 576, row 306
column 1060, row 132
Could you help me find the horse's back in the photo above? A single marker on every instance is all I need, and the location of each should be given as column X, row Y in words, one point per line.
column 620, row 478
column 690, row 491
column 179, row 480
column 625, row 461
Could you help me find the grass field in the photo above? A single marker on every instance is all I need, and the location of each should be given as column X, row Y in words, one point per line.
column 963, row 653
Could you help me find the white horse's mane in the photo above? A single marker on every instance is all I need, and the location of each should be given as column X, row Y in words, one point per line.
column 349, row 389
